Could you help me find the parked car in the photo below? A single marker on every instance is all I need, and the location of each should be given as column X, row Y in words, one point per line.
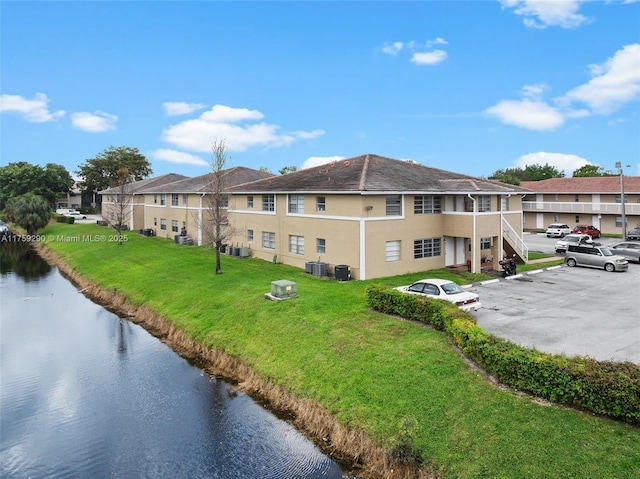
column 628, row 249
column 587, row 230
column 77, row 215
column 444, row 289
column 633, row 234
column 595, row 257
column 558, row 230
column 561, row 245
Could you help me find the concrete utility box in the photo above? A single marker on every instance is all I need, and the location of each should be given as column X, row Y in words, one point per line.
column 283, row 289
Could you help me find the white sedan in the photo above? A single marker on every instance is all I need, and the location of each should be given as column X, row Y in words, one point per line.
column 444, row 289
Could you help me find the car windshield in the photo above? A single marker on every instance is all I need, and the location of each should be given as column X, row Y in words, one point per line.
column 606, row 252
column 452, row 288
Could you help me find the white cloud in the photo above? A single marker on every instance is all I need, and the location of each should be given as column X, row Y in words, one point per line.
column 319, row 160
column 94, row 122
column 527, row 113
column 614, row 83
column 542, row 14
column 235, row 125
column 429, row 58
column 393, row 48
column 173, row 108
column 178, row 157
column 34, row 111
column 561, row 161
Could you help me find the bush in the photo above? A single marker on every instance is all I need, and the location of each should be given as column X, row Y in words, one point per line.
column 603, row 387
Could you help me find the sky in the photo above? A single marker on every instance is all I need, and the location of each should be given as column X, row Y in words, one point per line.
column 466, row 86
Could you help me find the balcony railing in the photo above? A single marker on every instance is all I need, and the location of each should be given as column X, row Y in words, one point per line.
column 593, row 208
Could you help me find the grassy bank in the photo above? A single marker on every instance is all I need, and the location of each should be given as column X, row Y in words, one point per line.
column 399, row 382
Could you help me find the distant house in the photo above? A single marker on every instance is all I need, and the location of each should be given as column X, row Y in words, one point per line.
column 378, row 217
column 592, row 200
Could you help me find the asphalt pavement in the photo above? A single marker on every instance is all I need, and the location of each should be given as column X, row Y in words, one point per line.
column 563, row 310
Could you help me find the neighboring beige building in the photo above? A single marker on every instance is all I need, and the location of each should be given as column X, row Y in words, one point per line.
column 593, row 200
column 379, row 217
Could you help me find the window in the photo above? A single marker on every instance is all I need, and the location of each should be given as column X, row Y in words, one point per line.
column 174, row 200
column 626, row 199
column 296, row 244
column 577, row 218
column 268, row 203
column 249, row 235
column 393, row 205
column 577, row 198
column 155, row 221
column 427, row 248
column 392, row 251
column 249, row 201
column 556, row 217
column 163, row 200
column 184, row 200
column 155, row 199
column 174, row 226
column 485, row 243
column 296, row 204
column 424, row 205
column 321, row 204
column 504, row 203
column 619, row 222
column 321, row 245
column 268, row 240
column 163, row 224
column 484, row 203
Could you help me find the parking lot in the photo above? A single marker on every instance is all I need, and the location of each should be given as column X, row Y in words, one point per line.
column 569, row 311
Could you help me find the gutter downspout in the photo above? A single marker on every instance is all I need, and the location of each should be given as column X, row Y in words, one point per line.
column 200, row 221
column 473, row 235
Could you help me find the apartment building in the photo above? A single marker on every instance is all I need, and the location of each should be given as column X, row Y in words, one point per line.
column 597, row 201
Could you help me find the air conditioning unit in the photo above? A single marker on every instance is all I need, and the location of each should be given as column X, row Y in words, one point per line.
column 244, row 252
column 320, row 269
column 308, row 267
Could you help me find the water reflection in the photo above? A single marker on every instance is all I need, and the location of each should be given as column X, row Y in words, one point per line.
column 86, row 394
column 22, row 259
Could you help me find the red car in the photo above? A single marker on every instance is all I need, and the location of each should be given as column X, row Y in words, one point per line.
column 587, row 230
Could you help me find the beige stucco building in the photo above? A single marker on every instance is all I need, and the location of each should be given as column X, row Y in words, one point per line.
column 594, row 201
column 378, row 216
column 369, row 215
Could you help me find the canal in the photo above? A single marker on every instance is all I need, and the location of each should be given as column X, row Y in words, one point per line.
column 84, row 393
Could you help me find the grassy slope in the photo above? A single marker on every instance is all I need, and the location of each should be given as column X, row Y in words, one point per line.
column 387, row 376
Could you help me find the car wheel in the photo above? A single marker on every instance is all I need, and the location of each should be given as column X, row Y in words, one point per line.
column 571, row 262
column 609, row 267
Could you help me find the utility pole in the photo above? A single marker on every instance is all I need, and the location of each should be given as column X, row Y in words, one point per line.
column 622, row 208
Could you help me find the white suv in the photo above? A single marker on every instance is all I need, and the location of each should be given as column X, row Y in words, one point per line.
column 558, row 230
column 561, row 245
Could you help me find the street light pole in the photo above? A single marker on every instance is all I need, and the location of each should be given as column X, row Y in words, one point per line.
column 622, row 208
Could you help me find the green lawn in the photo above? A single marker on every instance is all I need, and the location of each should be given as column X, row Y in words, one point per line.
column 396, row 380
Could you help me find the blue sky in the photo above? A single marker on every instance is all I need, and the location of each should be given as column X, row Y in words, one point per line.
column 466, row 86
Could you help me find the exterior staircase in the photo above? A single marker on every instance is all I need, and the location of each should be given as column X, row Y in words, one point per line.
column 512, row 243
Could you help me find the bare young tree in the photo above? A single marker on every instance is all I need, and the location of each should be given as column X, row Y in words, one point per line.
column 122, row 201
column 217, row 229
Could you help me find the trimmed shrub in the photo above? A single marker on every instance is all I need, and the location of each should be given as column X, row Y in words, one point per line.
column 603, row 387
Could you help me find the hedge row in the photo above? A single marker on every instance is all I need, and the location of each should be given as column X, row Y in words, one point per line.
column 603, row 387
column 64, row 219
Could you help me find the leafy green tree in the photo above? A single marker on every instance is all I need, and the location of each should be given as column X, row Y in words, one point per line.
column 287, row 169
column 19, row 178
column 29, row 211
column 101, row 172
column 591, row 170
column 529, row 173
column 264, row 169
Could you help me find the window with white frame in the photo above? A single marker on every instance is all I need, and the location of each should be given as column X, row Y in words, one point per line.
column 556, row 217
column 296, row 203
column 296, row 244
column 249, row 235
column 163, row 224
column 184, row 200
column 626, row 198
column 427, row 204
column 268, row 203
column 393, row 205
column 504, row 203
column 163, row 200
column 485, row 242
column 484, row 203
column 174, row 226
column 155, row 221
column 155, row 199
column 427, row 248
column 321, row 245
column 619, row 221
column 321, row 204
column 392, row 251
column 268, row 240
column 250, row 201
